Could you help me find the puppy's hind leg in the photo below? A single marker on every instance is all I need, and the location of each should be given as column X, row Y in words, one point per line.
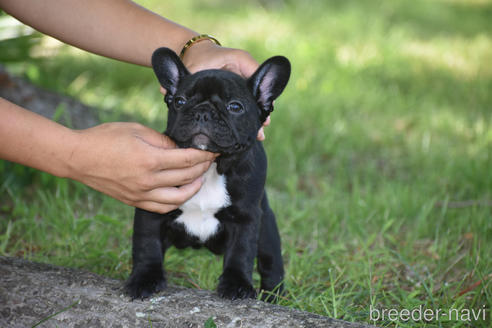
column 147, row 275
column 270, row 264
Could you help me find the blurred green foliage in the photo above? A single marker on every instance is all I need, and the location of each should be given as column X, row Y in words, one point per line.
column 15, row 44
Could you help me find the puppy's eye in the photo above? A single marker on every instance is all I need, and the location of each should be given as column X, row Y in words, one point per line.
column 179, row 102
column 235, row 107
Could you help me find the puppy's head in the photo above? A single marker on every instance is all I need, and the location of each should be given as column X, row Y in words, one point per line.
column 217, row 110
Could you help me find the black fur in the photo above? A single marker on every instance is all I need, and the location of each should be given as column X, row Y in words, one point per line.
column 247, row 227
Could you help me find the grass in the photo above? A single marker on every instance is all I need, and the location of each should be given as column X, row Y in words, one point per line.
column 379, row 154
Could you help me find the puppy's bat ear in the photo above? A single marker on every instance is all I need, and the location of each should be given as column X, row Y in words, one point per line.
column 169, row 70
column 268, row 82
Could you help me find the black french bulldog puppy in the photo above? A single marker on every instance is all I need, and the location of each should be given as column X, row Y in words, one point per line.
column 217, row 111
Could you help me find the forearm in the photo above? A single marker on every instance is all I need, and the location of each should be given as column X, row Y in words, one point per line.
column 118, row 29
column 30, row 139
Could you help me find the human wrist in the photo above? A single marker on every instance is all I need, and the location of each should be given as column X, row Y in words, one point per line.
column 84, row 152
column 66, row 161
column 195, row 40
column 194, row 56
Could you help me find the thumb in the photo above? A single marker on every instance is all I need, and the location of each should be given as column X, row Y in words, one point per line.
column 155, row 139
column 247, row 64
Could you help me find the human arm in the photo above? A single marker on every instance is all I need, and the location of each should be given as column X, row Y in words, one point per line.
column 100, row 157
column 126, row 161
column 123, row 30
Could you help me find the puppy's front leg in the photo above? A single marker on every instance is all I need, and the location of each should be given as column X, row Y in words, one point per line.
column 236, row 279
column 147, row 274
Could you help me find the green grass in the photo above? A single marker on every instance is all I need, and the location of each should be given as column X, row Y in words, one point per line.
column 380, row 155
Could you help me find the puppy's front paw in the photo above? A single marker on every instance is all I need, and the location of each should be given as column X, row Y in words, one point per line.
column 235, row 288
column 144, row 284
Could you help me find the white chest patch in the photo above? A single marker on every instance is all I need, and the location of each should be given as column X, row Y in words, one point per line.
column 198, row 212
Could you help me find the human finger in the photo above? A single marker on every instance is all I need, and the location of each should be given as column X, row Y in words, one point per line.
column 183, row 157
column 247, row 64
column 174, row 195
column 154, row 138
column 179, row 177
column 261, row 134
column 155, row 207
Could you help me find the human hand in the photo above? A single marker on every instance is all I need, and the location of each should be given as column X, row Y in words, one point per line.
column 207, row 55
column 138, row 166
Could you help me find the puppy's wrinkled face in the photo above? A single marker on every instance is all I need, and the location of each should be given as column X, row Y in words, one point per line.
column 213, row 110
column 217, row 110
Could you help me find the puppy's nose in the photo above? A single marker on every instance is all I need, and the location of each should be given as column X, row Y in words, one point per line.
column 202, row 117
